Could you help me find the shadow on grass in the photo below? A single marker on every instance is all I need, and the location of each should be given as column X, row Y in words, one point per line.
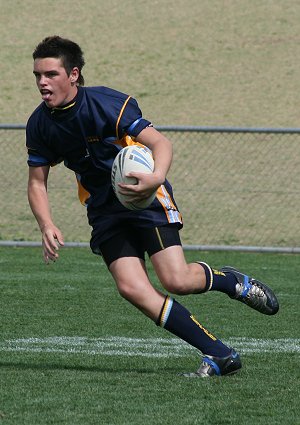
column 101, row 369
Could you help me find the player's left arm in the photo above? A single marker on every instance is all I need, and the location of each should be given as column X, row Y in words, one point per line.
column 162, row 151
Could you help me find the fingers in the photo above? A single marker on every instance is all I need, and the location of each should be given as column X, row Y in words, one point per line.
column 52, row 239
column 145, row 186
column 135, row 193
column 59, row 237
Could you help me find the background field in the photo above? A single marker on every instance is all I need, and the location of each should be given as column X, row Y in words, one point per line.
column 189, row 62
column 73, row 352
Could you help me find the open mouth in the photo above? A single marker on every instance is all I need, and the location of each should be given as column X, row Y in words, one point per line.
column 46, row 94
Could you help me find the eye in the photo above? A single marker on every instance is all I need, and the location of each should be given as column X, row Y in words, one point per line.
column 51, row 74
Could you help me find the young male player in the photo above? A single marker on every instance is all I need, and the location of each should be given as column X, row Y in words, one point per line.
column 86, row 127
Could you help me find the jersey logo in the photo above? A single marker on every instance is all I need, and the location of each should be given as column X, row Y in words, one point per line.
column 93, row 139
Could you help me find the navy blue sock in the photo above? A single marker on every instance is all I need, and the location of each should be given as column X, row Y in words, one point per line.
column 180, row 322
column 219, row 281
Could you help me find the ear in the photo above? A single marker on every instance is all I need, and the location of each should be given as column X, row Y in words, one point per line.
column 74, row 75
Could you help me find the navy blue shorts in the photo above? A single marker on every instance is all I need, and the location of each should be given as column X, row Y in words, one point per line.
column 133, row 242
column 119, row 232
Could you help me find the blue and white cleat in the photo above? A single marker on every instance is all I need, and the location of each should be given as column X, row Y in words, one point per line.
column 217, row 366
column 254, row 293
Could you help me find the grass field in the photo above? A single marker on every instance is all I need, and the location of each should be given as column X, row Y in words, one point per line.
column 189, row 62
column 73, row 352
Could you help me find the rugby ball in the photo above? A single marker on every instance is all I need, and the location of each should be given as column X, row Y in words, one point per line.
column 132, row 158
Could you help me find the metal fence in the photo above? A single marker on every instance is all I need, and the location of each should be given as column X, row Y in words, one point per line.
column 234, row 186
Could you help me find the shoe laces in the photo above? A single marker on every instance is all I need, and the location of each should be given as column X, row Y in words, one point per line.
column 255, row 290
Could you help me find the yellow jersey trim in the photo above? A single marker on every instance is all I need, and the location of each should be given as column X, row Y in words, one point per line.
column 63, row 108
column 120, row 115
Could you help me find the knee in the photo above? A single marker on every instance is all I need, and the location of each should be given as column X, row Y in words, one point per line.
column 126, row 290
column 132, row 290
column 174, row 283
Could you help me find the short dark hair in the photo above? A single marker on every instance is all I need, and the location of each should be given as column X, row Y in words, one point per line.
column 69, row 52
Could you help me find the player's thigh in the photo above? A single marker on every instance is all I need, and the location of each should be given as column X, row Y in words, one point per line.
column 124, row 256
column 171, row 268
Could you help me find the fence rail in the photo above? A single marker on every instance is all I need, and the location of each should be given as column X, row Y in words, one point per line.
column 236, row 187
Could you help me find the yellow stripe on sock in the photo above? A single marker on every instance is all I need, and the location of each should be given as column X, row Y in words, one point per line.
column 203, row 328
column 210, row 274
column 166, row 311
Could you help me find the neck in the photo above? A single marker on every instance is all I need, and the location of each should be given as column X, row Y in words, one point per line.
column 65, row 107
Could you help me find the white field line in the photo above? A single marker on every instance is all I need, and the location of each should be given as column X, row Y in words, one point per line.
column 140, row 347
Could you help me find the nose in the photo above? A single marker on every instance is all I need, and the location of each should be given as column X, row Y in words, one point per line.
column 42, row 80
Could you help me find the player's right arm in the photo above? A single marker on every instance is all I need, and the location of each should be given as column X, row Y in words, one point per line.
column 39, row 203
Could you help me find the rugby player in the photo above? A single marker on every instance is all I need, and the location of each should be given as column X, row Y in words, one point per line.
column 85, row 127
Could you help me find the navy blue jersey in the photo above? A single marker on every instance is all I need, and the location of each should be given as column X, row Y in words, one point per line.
column 87, row 135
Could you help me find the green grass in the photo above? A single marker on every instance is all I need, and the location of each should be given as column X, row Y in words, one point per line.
column 188, row 63
column 48, row 311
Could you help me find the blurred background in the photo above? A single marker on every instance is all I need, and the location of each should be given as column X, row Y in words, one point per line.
column 231, row 64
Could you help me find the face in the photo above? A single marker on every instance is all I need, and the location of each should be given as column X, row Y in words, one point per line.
column 55, row 85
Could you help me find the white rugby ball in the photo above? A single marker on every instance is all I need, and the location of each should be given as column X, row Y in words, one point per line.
column 132, row 158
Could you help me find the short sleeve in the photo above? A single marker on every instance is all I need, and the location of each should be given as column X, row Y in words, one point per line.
column 38, row 152
column 131, row 121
